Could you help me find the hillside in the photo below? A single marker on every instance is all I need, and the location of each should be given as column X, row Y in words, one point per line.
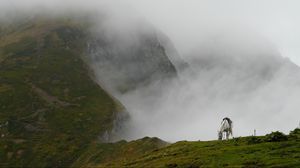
column 117, row 152
column 272, row 150
column 54, row 101
column 50, row 107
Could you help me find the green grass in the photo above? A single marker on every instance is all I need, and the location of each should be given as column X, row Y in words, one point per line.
column 238, row 152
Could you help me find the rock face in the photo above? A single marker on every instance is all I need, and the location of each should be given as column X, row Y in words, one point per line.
column 121, row 65
column 172, row 53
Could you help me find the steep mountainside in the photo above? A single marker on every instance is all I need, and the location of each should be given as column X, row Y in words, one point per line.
column 51, row 106
column 125, row 61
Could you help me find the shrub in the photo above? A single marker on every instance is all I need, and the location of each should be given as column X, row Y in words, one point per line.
column 295, row 134
column 253, row 140
column 275, row 137
column 236, row 140
column 171, row 165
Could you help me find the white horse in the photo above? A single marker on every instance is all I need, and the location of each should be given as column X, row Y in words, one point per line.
column 226, row 127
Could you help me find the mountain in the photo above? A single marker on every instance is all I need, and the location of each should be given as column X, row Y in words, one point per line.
column 50, row 104
column 55, row 94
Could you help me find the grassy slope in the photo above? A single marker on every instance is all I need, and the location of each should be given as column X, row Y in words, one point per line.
column 117, row 152
column 239, row 152
column 52, row 107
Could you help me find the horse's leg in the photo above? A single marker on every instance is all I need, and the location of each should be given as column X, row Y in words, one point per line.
column 227, row 135
column 221, row 135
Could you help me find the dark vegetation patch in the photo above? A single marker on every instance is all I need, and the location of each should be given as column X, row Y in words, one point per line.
column 295, row 134
column 275, row 137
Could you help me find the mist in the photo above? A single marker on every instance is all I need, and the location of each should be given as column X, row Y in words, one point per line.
column 238, row 54
column 255, row 86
